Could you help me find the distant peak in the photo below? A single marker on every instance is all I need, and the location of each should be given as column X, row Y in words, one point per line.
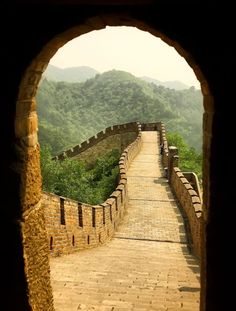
column 175, row 84
column 70, row 74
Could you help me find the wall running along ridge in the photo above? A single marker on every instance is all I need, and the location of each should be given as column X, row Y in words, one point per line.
column 117, row 136
column 71, row 225
column 182, row 184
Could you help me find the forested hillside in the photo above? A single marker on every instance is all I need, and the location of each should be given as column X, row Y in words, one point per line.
column 69, row 113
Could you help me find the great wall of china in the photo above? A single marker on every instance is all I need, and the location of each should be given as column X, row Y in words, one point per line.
column 73, row 226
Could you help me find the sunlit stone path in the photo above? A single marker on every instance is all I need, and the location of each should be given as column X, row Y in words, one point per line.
column 147, row 265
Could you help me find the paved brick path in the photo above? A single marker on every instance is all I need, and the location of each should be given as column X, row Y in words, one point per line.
column 147, row 265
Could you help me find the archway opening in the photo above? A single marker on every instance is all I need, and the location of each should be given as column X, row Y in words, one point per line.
column 125, row 89
column 27, row 130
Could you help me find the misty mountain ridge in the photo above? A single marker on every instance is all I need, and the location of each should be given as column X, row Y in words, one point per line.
column 70, row 74
column 83, row 73
column 175, row 84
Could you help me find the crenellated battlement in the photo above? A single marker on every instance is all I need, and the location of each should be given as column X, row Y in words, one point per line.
column 186, row 188
column 94, row 140
column 71, row 225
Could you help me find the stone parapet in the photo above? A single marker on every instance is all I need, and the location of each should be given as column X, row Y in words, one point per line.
column 164, row 145
column 191, row 204
column 72, row 226
column 94, row 140
column 186, row 189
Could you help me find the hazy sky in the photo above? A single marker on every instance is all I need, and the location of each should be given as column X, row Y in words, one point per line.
column 128, row 49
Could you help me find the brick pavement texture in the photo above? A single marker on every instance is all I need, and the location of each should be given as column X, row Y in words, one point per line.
column 147, row 265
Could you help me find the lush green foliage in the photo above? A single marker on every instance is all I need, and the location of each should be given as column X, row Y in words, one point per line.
column 69, row 113
column 189, row 159
column 74, row 179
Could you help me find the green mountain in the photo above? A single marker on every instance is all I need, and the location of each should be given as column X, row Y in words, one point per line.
column 177, row 85
column 83, row 73
column 72, row 74
column 69, row 113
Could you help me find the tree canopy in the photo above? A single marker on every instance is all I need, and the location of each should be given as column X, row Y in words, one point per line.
column 70, row 113
column 76, row 180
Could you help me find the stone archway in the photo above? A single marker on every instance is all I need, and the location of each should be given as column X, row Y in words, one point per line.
column 26, row 125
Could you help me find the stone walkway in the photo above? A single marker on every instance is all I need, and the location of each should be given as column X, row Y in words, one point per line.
column 147, row 265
